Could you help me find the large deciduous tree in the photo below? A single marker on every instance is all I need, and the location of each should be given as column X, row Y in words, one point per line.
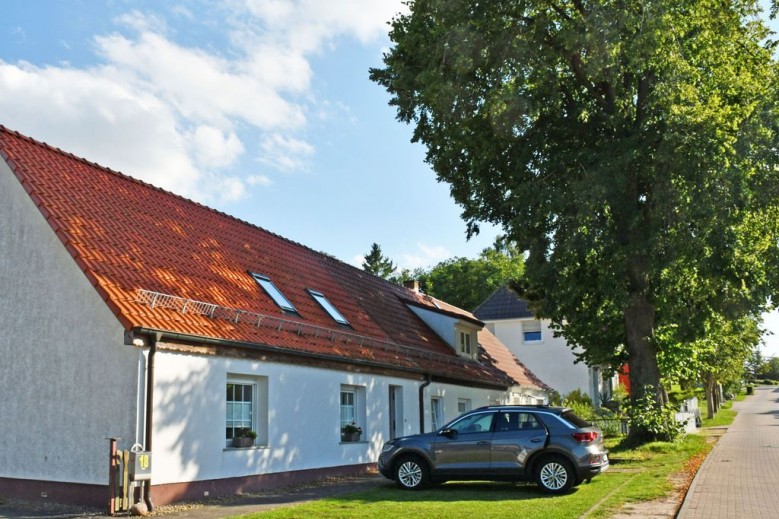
column 631, row 147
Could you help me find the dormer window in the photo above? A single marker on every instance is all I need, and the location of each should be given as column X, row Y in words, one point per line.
column 273, row 292
column 465, row 343
column 328, row 307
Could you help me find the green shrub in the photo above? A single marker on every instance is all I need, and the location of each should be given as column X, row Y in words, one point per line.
column 577, row 397
column 655, row 421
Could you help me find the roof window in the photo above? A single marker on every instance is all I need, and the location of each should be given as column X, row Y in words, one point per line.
column 273, row 292
column 328, row 306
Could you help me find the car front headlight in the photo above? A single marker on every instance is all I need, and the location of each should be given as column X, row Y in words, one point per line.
column 388, row 446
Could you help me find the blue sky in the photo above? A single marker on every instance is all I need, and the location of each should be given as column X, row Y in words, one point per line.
column 259, row 108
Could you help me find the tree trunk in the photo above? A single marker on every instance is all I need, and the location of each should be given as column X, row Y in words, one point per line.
column 711, row 403
column 642, row 355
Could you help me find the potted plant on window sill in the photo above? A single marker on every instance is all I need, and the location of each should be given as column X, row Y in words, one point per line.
column 244, row 438
column 351, row 432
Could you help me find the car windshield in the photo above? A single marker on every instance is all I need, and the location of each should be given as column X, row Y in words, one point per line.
column 574, row 419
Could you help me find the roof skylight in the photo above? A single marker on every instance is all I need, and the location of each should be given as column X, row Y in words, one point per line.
column 328, row 306
column 273, row 292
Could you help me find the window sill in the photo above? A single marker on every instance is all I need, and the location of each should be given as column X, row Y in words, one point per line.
column 351, row 443
column 252, row 448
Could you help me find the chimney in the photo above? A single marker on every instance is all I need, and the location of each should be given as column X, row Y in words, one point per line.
column 412, row 284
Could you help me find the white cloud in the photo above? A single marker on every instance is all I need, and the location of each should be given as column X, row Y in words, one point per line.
column 425, row 256
column 357, row 260
column 179, row 115
column 258, row 180
column 142, row 22
column 285, row 153
column 213, row 148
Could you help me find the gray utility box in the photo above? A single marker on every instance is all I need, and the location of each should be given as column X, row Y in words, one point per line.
column 140, row 466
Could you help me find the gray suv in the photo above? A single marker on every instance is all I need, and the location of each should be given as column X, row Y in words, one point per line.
column 550, row 445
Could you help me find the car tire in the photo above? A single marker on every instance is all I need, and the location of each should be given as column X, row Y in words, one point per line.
column 555, row 475
column 411, row 473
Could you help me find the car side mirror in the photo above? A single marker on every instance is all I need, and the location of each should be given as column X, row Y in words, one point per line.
column 449, row 433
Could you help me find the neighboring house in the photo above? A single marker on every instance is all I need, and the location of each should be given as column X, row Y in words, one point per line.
column 133, row 313
column 550, row 358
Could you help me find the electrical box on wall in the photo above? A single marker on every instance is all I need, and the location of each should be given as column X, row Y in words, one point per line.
column 140, row 466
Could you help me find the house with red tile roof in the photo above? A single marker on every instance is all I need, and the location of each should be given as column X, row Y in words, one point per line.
column 132, row 313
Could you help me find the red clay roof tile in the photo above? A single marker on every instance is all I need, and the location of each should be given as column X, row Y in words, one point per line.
column 127, row 236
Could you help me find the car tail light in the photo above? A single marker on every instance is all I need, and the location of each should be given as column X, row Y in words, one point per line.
column 585, row 437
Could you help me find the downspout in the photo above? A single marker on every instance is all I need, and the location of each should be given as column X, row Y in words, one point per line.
column 149, row 411
column 426, row 383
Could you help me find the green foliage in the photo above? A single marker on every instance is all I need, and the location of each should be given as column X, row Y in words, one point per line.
column 631, row 152
column 466, row 283
column 655, row 422
column 769, row 369
column 577, row 396
column 376, row 263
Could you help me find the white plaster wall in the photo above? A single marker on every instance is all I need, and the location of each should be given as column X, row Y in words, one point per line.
column 66, row 379
column 451, row 394
column 550, row 359
column 443, row 325
column 304, row 417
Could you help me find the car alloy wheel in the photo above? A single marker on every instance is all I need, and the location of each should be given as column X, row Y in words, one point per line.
column 555, row 475
column 411, row 474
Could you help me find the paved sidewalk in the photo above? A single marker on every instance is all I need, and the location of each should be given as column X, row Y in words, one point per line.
column 740, row 477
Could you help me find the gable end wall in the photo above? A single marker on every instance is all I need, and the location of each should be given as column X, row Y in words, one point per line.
column 66, row 379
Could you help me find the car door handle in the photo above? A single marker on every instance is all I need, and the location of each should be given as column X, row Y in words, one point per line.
column 483, row 442
column 536, row 440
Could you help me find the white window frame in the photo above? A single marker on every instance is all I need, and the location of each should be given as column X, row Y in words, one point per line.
column 347, row 409
column 466, row 340
column 258, row 408
column 355, row 411
column 463, row 405
column 436, row 412
column 532, row 327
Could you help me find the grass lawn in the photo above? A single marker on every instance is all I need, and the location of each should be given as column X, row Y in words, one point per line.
column 723, row 417
column 635, row 475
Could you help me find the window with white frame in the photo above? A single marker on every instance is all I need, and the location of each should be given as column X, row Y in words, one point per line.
column 531, row 331
column 463, row 405
column 246, row 403
column 352, row 406
column 437, row 412
column 465, row 338
column 347, row 406
column 465, row 343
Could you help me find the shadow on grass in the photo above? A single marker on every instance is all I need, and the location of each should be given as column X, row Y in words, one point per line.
column 453, row 491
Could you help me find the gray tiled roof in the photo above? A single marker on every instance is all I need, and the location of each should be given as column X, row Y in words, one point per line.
column 504, row 303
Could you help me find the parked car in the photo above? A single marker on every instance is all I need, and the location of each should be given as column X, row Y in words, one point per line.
column 550, row 445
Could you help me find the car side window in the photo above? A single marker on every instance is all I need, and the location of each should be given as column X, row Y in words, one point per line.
column 528, row 421
column 515, row 421
column 475, row 423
